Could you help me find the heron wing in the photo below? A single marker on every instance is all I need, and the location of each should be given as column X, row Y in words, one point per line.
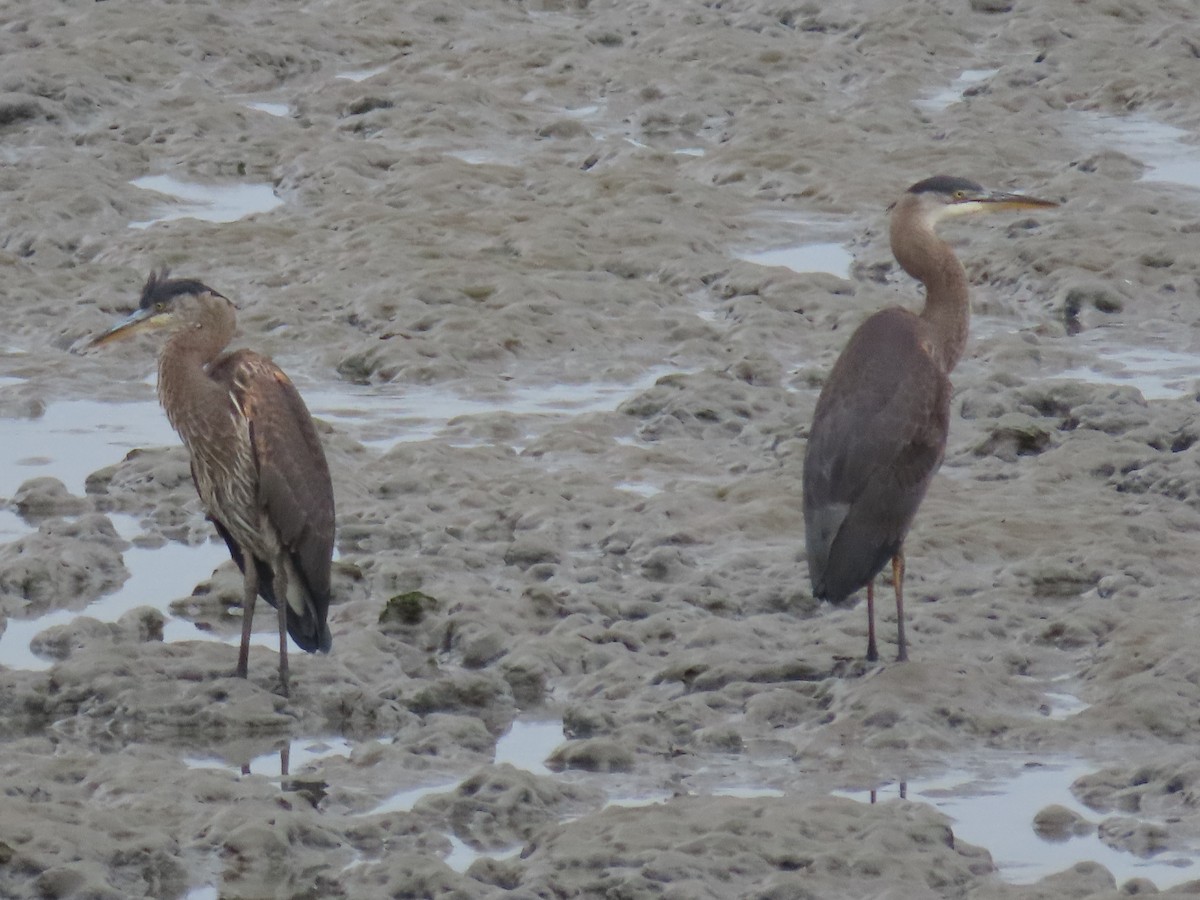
column 294, row 486
column 878, row 435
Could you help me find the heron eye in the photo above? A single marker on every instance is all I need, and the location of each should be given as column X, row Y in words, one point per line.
column 159, row 307
column 960, row 195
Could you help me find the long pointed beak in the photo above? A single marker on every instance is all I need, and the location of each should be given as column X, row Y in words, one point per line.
column 137, row 321
column 998, row 200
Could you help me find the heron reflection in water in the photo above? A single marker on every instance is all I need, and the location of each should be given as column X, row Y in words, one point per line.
column 879, row 431
column 256, row 459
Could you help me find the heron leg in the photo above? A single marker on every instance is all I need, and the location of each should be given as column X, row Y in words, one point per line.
column 281, row 589
column 898, row 583
column 872, row 650
column 249, row 595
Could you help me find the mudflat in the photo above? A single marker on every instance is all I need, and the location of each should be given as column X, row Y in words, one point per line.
column 561, row 282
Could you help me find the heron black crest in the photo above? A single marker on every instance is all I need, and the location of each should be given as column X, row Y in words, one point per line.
column 161, row 288
column 945, row 184
column 257, row 460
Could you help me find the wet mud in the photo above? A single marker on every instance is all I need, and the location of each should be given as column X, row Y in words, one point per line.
column 561, row 282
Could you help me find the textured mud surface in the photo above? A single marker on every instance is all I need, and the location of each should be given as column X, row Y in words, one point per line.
column 507, row 250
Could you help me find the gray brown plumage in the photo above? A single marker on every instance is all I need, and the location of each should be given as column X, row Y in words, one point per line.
column 879, row 430
column 256, row 459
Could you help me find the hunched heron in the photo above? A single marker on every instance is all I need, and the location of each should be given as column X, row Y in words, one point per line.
column 257, row 461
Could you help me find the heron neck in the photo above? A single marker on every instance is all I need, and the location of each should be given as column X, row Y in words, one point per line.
column 947, row 311
column 191, row 399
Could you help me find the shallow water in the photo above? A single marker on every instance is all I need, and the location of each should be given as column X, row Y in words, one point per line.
column 271, row 109
column 997, row 812
column 817, row 257
column 73, row 438
column 208, row 202
column 301, row 752
column 361, row 74
column 461, row 855
column 1168, row 152
column 384, row 415
column 1159, row 373
column 528, row 744
column 943, row 98
column 479, row 157
column 157, row 576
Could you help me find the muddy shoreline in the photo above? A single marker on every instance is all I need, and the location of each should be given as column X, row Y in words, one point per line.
column 511, row 255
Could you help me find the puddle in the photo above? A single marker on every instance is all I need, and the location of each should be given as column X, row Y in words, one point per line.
column 1165, row 150
column 74, row 438
column 747, row 793
column 1063, row 706
column 639, row 487
column 820, row 257
column 944, row 98
column 527, row 745
column 271, row 109
column 385, row 415
column 361, row 74
column 479, row 157
column 1159, row 374
column 208, row 202
column 301, row 752
column 404, row 801
column 12, row 526
column 461, row 855
column 157, row 576
column 638, row 801
column 997, row 813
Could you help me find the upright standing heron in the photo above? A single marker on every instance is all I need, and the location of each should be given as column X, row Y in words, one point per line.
column 256, row 459
column 879, row 430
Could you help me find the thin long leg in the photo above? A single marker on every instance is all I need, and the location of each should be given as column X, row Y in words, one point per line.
column 249, row 595
column 872, row 650
column 898, row 582
column 281, row 589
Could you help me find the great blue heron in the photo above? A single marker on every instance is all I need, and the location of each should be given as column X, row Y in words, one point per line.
column 879, row 430
column 256, row 459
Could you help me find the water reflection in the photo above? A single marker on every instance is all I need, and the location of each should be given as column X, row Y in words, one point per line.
column 828, row 257
column 1166, row 151
column 73, row 438
column 385, row 415
column 208, row 202
column 527, row 745
column 461, row 854
column 1159, row 373
column 157, row 576
column 943, row 98
column 997, row 812
column 271, row 109
column 361, row 74
column 285, row 756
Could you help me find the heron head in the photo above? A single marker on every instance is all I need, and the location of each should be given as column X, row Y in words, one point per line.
column 944, row 196
column 165, row 302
